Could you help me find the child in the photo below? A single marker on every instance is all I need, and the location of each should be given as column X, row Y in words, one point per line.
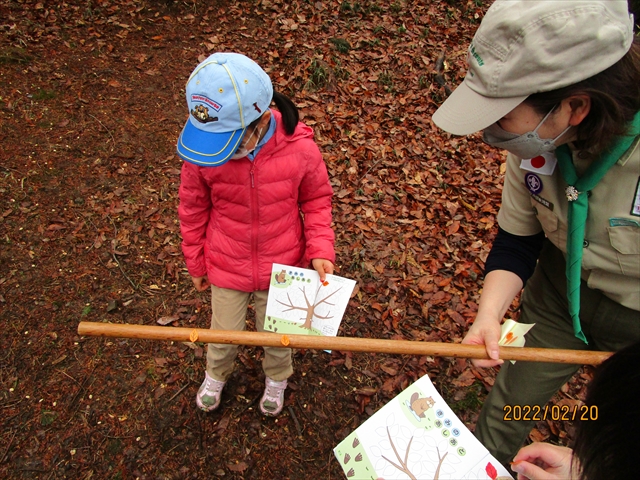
column 254, row 190
column 608, row 429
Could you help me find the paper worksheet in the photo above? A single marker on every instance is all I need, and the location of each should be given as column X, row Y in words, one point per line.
column 416, row 436
column 299, row 303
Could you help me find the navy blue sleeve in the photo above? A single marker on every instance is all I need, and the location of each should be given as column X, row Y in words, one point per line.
column 514, row 253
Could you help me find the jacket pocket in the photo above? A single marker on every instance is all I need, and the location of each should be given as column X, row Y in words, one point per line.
column 551, row 226
column 625, row 240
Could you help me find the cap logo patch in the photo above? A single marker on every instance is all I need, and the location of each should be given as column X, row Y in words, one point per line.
column 201, row 113
column 475, row 55
column 255, row 105
column 201, row 98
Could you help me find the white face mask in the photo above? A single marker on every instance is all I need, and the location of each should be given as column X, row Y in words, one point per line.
column 243, row 151
column 527, row 145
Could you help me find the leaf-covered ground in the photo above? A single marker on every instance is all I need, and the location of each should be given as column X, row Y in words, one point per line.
column 92, row 101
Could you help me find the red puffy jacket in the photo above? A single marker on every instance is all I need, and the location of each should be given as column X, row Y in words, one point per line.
column 238, row 219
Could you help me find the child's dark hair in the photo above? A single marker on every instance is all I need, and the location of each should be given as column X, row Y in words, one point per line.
column 289, row 111
column 607, row 442
column 290, row 115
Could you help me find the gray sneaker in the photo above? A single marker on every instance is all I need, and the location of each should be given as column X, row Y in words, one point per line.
column 209, row 393
column 273, row 398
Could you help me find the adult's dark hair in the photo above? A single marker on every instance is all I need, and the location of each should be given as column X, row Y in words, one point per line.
column 615, row 99
column 607, row 446
column 634, row 8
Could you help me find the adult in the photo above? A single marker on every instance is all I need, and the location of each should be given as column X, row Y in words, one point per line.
column 556, row 84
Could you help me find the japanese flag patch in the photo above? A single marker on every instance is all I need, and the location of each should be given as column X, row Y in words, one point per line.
column 543, row 164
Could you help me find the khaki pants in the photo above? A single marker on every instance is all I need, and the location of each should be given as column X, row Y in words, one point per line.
column 607, row 325
column 229, row 312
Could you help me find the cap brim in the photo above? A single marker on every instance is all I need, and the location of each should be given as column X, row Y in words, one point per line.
column 466, row 111
column 208, row 149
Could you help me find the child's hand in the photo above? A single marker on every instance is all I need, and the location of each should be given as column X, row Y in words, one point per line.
column 543, row 461
column 323, row 267
column 201, row 283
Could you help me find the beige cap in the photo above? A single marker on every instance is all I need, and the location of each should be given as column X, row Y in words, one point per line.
column 524, row 47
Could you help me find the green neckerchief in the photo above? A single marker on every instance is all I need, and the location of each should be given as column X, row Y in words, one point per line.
column 578, row 206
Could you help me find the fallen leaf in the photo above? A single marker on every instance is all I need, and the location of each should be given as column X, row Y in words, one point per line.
column 167, row 320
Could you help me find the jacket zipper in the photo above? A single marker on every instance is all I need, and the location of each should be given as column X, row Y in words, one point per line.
column 254, row 229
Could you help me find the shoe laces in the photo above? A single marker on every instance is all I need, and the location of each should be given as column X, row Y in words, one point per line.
column 275, row 389
column 213, row 386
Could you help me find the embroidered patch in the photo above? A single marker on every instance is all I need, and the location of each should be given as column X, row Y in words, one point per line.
column 201, row 113
column 533, row 183
column 543, row 164
column 202, row 99
column 542, row 201
column 622, row 222
column 635, row 210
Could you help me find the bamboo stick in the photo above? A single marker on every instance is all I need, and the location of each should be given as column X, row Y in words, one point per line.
column 436, row 349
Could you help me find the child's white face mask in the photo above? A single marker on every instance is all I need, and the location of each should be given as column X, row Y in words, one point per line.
column 243, row 151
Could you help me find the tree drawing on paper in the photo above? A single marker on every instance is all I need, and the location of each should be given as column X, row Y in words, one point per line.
column 403, row 462
column 403, row 467
column 418, row 455
column 310, row 308
column 417, row 436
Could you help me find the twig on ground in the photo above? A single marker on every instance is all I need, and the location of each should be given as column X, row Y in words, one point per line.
column 6, row 451
column 301, row 408
column 108, row 131
column 439, row 70
column 177, row 393
column 133, row 284
column 295, row 420
column 74, row 400
column 249, row 405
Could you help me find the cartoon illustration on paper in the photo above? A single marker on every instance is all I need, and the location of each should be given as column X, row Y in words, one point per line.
column 299, row 303
column 418, row 405
column 416, row 436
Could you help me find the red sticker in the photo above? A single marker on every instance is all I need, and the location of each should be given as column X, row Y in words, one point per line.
column 491, row 471
column 538, row 162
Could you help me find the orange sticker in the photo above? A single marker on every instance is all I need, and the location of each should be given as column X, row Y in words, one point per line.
column 325, row 283
column 284, row 340
column 193, row 336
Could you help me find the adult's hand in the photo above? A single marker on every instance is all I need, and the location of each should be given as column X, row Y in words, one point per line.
column 543, row 461
column 485, row 331
column 500, row 288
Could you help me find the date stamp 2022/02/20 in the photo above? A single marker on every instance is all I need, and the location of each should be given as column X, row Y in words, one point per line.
column 518, row 413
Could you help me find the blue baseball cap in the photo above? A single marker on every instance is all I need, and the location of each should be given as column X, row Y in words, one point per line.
column 225, row 93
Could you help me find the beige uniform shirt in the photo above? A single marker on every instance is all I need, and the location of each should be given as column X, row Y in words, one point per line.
column 534, row 199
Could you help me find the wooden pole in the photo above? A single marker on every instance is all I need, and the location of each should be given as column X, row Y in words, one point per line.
column 436, row 349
